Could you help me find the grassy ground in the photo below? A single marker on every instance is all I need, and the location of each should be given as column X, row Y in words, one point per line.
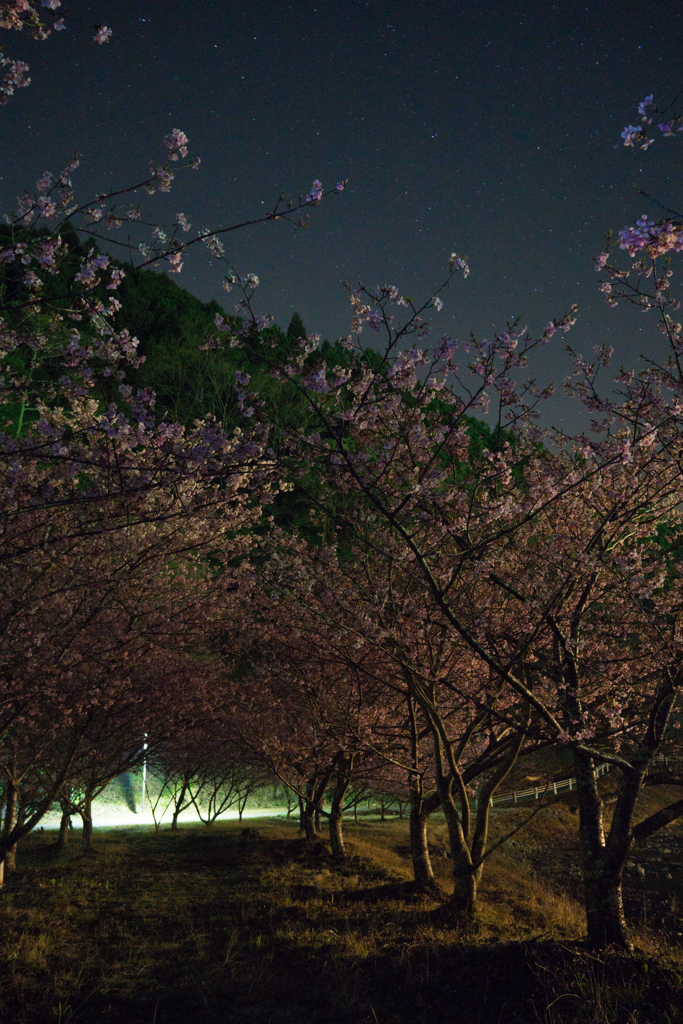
column 239, row 925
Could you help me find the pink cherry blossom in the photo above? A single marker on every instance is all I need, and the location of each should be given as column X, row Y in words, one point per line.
column 642, row 107
column 14, row 78
column 315, row 195
column 176, row 262
column 631, row 133
column 176, row 143
column 103, row 35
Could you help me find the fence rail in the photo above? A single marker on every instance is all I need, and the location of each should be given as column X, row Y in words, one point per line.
column 565, row 785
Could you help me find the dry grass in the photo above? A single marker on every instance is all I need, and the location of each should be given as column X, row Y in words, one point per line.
column 242, row 927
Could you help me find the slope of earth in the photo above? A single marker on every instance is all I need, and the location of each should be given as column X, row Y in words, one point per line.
column 251, row 926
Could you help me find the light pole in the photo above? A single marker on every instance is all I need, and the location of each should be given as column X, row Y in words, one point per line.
column 144, row 775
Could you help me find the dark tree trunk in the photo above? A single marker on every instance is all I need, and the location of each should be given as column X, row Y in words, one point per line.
column 11, row 806
column 604, row 861
column 309, row 812
column 419, row 851
column 463, row 902
column 11, row 859
column 85, row 812
column 462, row 905
column 420, row 809
column 337, row 837
column 605, row 921
column 309, row 825
column 342, row 783
column 64, row 825
column 11, row 813
column 315, row 791
column 178, row 806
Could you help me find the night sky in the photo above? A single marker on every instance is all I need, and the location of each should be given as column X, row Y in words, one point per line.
column 491, row 129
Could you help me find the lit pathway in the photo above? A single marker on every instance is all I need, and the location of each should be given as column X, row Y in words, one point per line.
column 112, row 816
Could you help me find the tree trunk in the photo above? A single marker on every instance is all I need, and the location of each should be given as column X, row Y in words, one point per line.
column 419, row 851
column 309, row 825
column 64, row 824
column 315, row 791
column 420, row 809
column 11, row 809
column 463, row 902
column 604, row 861
column 337, row 836
column 308, row 812
column 605, row 921
column 178, row 806
column 10, row 817
column 86, row 817
column 462, row 905
column 11, row 859
column 342, row 783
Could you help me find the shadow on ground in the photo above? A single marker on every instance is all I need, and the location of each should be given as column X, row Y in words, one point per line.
column 241, row 926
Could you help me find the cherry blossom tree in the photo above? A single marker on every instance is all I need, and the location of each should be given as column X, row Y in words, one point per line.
column 108, row 636
column 392, row 448
column 302, row 729
column 98, row 498
column 605, row 702
column 447, row 732
column 522, row 597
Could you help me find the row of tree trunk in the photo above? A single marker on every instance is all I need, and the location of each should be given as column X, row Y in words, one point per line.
column 604, row 859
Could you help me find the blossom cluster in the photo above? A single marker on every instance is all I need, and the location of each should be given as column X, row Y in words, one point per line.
column 656, row 238
column 14, row 78
column 316, row 192
column 176, row 143
column 103, row 35
column 19, row 14
column 638, row 134
column 458, row 263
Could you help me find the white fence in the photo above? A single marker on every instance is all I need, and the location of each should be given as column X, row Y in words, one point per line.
column 564, row 786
